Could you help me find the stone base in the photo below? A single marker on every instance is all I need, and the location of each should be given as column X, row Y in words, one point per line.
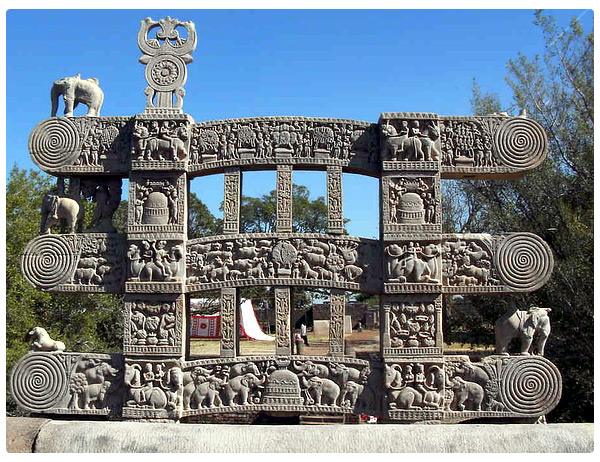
column 139, row 437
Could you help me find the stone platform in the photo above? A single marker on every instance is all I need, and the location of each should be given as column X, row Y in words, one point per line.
column 43, row 435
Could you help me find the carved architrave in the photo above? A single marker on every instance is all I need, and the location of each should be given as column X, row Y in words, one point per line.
column 91, row 262
column 337, row 306
column 279, row 383
column 283, row 333
column 154, row 325
column 482, row 263
column 269, row 141
column 491, row 146
column 411, row 203
column 229, row 322
column 412, row 325
column 301, row 259
column 284, row 199
column 157, row 206
column 160, row 143
column 153, row 388
column 155, row 266
column 68, row 383
column 232, row 199
column 82, row 145
column 335, row 202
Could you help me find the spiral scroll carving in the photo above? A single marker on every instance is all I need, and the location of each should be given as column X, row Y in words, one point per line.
column 48, row 261
column 39, row 381
column 524, row 262
column 530, row 385
column 54, row 143
column 520, row 143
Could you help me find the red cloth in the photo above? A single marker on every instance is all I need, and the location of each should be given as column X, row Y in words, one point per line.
column 206, row 326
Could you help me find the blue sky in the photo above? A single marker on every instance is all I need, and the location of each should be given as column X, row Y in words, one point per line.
column 325, row 63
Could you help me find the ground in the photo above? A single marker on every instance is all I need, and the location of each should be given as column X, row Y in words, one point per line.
column 365, row 341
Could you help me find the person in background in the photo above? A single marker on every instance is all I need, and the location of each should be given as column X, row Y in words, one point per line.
column 303, row 333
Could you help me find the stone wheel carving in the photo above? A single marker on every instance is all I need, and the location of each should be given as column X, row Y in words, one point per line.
column 48, row 261
column 524, row 262
column 38, row 381
column 530, row 385
column 166, row 73
column 54, row 143
column 520, row 143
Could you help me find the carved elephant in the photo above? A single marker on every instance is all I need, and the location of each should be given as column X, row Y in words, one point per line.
column 320, row 391
column 56, row 208
column 243, row 368
column 310, row 369
column 467, row 395
column 523, row 324
column 350, row 393
column 237, row 389
column 205, row 394
column 75, row 90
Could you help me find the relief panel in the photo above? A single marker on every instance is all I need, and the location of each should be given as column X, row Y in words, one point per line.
column 155, row 266
column 158, row 206
column 283, row 259
column 153, row 325
column 413, row 324
column 293, row 140
column 411, row 204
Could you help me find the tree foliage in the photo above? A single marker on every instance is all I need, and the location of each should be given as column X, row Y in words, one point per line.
column 201, row 222
column 259, row 214
column 555, row 201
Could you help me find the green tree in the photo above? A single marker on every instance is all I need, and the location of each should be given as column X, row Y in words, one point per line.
column 259, row 214
column 555, row 201
column 201, row 222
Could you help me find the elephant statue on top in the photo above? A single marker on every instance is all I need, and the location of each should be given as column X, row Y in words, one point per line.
column 56, row 208
column 523, row 324
column 75, row 90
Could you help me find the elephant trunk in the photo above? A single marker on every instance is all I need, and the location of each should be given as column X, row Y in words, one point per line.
column 54, row 94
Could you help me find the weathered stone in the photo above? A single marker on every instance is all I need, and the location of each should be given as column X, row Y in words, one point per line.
column 156, row 266
column 132, row 437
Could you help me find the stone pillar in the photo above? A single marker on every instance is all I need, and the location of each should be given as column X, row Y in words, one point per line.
column 335, row 209
column 230, row 339
column 283, row 331
column 411, row 231
column 232, row 199
column 284, row 199
column 337, row 310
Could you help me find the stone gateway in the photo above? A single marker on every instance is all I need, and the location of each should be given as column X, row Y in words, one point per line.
column 158, row 268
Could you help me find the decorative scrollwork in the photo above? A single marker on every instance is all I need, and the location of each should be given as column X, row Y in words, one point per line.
column 520, row 143
column 524, row 262
column 54, row 143
column 39, row 381
column 530, row 385
column 48, row 261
